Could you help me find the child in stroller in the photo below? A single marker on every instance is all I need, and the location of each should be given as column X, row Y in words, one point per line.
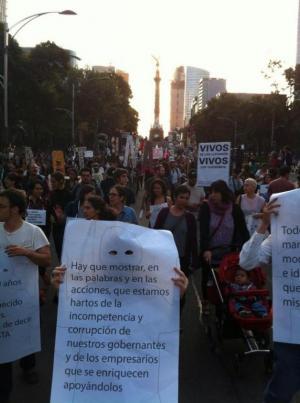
column 246, row 306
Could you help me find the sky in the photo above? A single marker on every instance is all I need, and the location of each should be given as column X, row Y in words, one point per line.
column 232, row 39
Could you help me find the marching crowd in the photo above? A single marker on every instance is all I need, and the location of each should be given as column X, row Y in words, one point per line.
column 206, row 223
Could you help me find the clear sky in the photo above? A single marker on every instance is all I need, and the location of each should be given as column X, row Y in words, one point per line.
column 233, row 39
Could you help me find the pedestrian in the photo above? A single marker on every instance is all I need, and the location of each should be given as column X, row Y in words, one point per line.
column 222, row 230
column 251, row 204
column 182, row 224
column 117, row 200
column 257, row 252
column 282, row 184
column 156, row 199
column 121, row 178
column 20, row 238
column 58, row 200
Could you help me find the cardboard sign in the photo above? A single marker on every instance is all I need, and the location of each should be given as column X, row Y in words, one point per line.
column 58, row 161
column 118, row 317
column 286, row 268
column 19, row 308
column 213, row 163
column 36, row 217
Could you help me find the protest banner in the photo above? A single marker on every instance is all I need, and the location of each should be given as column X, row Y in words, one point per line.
column 158, row 153
column 89, row 154
column 213, row 163
column 36, row 217
column 58, row 161
column 118, row 318
column 19, row 308
column 285, row 230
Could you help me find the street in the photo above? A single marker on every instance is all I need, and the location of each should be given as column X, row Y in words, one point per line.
column 205, row 376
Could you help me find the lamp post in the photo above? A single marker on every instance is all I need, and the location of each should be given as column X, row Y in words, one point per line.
column 20, row 24
column 234, row 122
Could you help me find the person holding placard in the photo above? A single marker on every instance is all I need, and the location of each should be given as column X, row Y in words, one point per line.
column 19, row 238
column 257, row 252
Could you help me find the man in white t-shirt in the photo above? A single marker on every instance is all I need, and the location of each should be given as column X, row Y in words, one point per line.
column 19, row 238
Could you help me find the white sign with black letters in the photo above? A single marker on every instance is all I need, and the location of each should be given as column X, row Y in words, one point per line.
column 213, row 163
column 286, row 268
column 117, row 332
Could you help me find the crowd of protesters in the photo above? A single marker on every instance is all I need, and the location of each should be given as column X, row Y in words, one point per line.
column 206, row 223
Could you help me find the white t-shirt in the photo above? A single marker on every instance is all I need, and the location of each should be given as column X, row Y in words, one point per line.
column 28, row 236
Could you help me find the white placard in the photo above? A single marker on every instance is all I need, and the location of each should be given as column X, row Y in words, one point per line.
column 285, row 231
column 36, row 217
column 158, row 153
column 118, row 318
column 89, row 154
column 19, row 308
column 213, row 163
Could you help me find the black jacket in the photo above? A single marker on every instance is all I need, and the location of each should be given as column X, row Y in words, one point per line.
column 240, row 232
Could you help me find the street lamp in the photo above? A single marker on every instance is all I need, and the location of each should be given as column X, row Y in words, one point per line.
column 234, row 122
column 23, row 22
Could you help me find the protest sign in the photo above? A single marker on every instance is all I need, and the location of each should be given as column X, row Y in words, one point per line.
column 213, row 163
column 158, row 153
column 36, row 217
column 89, row 154
column 58, row 161
column 118, row 317
column 286, row 268
column 19, row 308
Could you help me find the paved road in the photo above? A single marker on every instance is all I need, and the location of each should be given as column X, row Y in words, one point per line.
column 205, row 377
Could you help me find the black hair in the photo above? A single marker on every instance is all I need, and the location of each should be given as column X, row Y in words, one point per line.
column 161, row 184
column 119, row 172
column 84, row 191
column 284, row 170
column 121, row 191
column 16, row 198
column 181, row 189
column 32, row 185
column 220, row 186
column 85, row 170
column 58, row 176
column 99, row 204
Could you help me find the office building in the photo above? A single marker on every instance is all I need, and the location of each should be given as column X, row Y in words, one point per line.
column 2, row 11
column 177, row 99
column 103, row 69
column 192, row 77
column 208, row 89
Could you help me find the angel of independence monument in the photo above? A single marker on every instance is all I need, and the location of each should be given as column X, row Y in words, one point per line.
column 156, row 131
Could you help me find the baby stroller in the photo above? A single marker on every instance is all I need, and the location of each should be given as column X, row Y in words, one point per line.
column 228, row 323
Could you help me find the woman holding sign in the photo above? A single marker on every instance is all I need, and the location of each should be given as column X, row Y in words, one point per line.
column 285, row 381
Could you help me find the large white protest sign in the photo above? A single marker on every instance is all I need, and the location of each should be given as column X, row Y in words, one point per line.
column 286, row 268
column 213, row 163
column 19, row 308
column 118, row 318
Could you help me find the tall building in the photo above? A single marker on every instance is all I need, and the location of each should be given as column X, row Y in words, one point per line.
column 2, row 10
column 103, row 69
column 208, row 89
column 192, row 77
column 177, row 99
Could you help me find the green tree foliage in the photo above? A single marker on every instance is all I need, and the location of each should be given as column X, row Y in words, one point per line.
column 40, row 98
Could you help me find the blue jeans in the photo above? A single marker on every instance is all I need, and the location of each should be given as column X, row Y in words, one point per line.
column 285, row 381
